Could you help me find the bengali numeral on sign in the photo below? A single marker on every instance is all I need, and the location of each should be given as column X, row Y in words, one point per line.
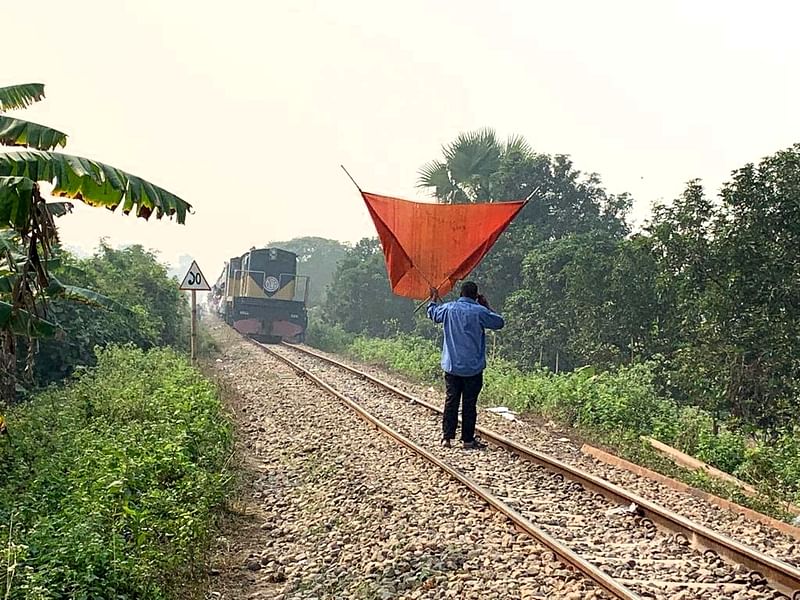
column 194, row 279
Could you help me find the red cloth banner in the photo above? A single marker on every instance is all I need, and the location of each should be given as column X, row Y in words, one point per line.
column 430, row 245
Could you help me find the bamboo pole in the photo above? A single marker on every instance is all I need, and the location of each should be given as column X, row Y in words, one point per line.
column 194, row 327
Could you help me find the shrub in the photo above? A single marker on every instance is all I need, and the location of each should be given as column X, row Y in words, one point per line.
column 152, row 310
column 109, row 483
column 776, row 463
column 409, row 354
column 327, row 337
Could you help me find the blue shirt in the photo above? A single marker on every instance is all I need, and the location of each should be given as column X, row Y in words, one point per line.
column 464, row 349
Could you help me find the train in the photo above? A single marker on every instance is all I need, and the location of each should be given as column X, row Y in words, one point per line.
column 261, row 295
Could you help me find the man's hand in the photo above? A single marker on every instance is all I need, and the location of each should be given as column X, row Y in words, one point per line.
column 434, row 297
column 483, row 302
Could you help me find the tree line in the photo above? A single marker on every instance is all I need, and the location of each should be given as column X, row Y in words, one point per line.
column 706, row 292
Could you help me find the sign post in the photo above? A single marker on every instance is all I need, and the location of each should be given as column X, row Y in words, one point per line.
column 194, row 281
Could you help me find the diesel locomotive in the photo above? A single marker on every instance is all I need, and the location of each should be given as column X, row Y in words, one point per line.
column 261, row 295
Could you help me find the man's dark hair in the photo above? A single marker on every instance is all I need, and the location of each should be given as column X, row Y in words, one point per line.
column 469, row 289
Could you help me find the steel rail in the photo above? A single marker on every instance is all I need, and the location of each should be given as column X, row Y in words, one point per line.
column 779, row 574
column 602, row 579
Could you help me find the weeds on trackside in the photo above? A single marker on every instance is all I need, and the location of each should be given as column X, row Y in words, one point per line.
column 111, row 483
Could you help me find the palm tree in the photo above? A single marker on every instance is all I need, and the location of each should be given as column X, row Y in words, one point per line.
column 28, row 233
column 470, row 161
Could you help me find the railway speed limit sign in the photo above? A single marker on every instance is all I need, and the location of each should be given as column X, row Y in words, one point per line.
column 194, row 280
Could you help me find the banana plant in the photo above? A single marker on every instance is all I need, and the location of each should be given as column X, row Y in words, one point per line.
column 28, row 232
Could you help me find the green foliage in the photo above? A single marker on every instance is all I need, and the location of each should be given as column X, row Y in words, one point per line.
column 464, row 175
column 317, row 259
column 150, row 310
column 477, row 167
column 728, row 283
column 207, row 346
column 585, row 299
column 709, row 286
column 407, row 354
column 326, row 336
column 776, row 464
column 109, row 484
column 16, row 198
column 360, row 298
column 94, row 183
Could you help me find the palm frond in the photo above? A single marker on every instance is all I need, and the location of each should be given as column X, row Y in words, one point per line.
column 18, row 132
column 472, row 154
column 517, row 144
column 20, row 96
column 480, row 138
column 436, row 175
column 94, row 183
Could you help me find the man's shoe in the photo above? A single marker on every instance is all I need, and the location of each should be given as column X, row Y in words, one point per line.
column 475, row 444
column 446, row 443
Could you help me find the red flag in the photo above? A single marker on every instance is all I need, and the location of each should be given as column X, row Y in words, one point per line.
column 434, row 245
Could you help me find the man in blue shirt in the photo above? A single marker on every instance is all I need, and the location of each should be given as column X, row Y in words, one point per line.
column 463, row 358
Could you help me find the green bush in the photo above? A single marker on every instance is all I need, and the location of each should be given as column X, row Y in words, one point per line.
column 606, row 402
column 776, row 463
column 327, row 337
column 725, row 449
column 152, row 310
column 408, row 354
column 110, row 483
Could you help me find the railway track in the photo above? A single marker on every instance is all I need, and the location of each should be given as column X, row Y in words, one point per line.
column 647, row 552
column 333, row 509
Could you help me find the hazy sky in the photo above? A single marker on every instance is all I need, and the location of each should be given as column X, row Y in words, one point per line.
column 247, row 108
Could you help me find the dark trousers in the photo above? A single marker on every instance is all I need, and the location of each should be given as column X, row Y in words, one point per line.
column 462, row 390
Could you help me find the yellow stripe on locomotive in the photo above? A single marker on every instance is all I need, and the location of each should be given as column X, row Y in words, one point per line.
column 257, row 284
column 286, row 291
column 250, row 287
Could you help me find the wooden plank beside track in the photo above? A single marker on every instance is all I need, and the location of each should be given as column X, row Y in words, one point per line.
column 682, row 487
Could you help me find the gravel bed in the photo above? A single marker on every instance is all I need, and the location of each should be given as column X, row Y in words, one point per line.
column 338, row 510
column 554, row 442
column 651, row 562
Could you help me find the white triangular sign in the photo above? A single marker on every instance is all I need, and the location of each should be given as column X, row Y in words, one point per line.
column 194, row 279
